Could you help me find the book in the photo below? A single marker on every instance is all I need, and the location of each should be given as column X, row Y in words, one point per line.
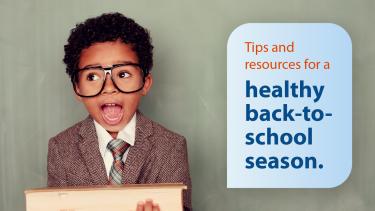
column 104, row 198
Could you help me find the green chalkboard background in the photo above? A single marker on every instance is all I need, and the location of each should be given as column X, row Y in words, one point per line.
column 188, row 96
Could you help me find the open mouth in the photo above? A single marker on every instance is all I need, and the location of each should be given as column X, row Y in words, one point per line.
column 112, row 113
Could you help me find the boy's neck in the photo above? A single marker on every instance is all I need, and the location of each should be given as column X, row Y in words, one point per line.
column 113, row 134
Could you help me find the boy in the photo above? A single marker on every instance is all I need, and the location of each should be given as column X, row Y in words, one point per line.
column 108, row 59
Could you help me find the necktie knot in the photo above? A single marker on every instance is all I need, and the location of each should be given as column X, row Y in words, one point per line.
column 118, row 148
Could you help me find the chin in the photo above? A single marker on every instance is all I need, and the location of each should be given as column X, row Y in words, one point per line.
column 113, row 128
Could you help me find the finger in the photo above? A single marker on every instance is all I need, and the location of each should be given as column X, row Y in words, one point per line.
column 156, row 207
column 140, row 206
column 148, row 205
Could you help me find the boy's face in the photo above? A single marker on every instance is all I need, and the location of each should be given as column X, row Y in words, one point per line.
column 111, row 108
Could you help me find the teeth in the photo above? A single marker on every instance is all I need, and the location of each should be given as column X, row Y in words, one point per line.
column 110, row 104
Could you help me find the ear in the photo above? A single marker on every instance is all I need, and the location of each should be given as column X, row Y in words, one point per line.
column 148, row 84
column 79, row 98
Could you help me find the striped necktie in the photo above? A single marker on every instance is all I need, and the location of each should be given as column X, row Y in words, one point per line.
column 118, row 148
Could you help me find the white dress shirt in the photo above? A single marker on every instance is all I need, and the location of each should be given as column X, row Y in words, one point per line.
column 127, row 134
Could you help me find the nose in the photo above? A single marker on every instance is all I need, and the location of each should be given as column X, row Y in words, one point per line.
column 109, row 87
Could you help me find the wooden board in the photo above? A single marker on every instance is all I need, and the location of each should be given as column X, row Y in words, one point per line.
column 104, row 198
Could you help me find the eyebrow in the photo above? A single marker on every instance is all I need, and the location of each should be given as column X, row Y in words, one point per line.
column 116, row 62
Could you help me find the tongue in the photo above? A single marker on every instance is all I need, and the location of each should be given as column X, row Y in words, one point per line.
column 112, row 114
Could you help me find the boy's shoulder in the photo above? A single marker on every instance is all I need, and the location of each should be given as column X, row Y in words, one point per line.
column 72, row 133
column 157, row 132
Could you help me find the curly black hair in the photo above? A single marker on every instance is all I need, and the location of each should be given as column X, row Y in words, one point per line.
column 108, row 27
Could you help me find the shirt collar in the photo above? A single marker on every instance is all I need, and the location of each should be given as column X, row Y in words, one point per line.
column 127, row 134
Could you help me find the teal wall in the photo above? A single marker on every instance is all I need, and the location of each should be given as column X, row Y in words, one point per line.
column 188, row 96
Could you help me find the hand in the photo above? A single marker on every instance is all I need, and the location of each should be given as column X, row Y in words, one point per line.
column 149, row 205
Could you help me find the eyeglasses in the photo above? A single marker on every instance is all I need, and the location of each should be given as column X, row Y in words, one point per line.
column 127, row 78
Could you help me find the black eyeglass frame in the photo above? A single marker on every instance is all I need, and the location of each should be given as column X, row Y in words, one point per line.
column 109, row 70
